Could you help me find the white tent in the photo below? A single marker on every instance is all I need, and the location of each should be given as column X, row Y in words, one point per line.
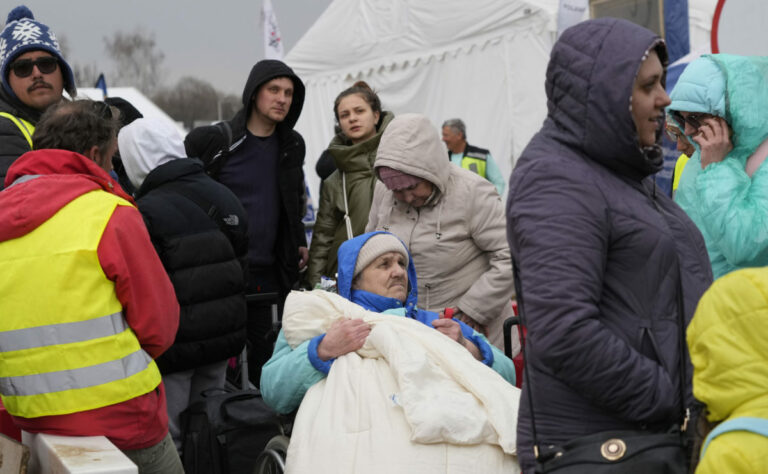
column 483, row 61
column 135, row 97
column 700, row 13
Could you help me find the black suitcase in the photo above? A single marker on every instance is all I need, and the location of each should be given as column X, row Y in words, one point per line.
column 226, row 432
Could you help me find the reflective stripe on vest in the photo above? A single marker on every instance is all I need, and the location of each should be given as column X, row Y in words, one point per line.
column 37, row 384
column 27, row 129
column 64, row 344
column 474, row 163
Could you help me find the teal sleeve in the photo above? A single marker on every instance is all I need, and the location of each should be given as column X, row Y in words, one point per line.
column 287, row 376
column 493, row 174
column 501, row 363
column 734, row 211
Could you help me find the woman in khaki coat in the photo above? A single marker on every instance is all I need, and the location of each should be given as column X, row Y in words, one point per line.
column 452, row 221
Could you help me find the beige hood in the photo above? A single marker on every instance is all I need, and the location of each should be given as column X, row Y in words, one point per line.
column 412, row 145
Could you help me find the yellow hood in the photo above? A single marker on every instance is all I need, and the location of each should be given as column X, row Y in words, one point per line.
column 728, row 341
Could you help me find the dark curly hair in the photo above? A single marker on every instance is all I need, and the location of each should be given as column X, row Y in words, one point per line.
column 77, row 126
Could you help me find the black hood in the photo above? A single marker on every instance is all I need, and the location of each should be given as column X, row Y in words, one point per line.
column 170, row 171
column 266, row 70
column 590, row 77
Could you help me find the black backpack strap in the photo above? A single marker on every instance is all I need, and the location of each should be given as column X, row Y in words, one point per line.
column 226, row 130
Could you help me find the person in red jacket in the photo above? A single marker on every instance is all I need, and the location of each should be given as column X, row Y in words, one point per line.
column 86, row 305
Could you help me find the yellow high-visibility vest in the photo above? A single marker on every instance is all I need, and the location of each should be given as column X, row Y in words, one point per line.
column 65, row 346
column 474, row 164
column 27, row 129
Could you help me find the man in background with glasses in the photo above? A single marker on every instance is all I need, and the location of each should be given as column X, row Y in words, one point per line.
column 33, row 75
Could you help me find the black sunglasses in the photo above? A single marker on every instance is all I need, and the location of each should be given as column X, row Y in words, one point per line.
column 693, row 119
column 673, row 133
column 23, row 67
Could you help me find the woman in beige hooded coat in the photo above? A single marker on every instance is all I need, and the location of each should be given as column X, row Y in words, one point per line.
column 452, row 221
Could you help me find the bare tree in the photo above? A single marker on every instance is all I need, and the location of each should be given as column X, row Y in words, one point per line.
column 63, row 45
column 85, row 74
column 229, row 104
column 194, row 100
column 137, row 60
column 190, row 100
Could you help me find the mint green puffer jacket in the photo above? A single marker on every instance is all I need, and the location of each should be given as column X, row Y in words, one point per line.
column 729, row 208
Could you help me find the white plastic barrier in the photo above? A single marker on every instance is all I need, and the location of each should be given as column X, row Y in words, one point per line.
column 75, row 455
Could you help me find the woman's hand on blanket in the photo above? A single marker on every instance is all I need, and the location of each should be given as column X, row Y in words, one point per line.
column 452, row 329
column 344, row 336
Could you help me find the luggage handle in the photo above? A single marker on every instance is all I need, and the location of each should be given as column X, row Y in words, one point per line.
column 211, row 391
column 236, row 398
column 508, row 323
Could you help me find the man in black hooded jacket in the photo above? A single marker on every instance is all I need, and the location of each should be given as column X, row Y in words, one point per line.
column 260, row 157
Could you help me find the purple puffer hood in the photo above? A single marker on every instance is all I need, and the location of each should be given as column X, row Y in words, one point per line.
column 590, row 76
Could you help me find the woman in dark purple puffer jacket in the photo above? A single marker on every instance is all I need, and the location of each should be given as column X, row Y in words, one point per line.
column 600, row 252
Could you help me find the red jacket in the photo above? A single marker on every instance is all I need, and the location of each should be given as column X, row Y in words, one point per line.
column 128, row 258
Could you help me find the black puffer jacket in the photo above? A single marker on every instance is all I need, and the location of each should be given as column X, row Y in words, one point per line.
column 203, row 257
column 202, row 143
column 599, row 252
column 12, row 141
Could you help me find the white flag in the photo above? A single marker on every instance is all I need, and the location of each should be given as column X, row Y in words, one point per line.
column 570, row 13
column 273, row 41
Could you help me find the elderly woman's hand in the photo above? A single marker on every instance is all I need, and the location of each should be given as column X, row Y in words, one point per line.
column 452, row 329
column 344, row 336
column 714, row 139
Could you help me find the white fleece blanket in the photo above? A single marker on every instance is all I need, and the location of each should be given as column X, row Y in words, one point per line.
column 411, row 400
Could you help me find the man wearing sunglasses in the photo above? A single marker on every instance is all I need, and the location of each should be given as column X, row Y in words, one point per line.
column 33, row 75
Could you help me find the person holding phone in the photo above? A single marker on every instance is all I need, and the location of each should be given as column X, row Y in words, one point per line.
column 719, row 103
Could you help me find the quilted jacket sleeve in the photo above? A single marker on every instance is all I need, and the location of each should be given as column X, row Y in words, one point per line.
column 737, row 453
column 734, row 209
column 559, row 229
column 323, row 233
column 287, row 376
column 485, row 299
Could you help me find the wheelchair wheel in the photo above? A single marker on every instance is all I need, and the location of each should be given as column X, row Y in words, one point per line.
column 272, row 459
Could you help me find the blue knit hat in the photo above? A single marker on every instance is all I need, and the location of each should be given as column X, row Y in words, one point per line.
column 21, row 34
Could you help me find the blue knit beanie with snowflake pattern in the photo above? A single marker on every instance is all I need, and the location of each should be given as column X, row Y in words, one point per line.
column 23, row 33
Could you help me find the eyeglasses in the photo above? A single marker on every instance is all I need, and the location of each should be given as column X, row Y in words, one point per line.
column 673, row 133
column 23, row 67
column 693, row 119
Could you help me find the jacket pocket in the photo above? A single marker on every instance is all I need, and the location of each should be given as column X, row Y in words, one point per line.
column 648, row 346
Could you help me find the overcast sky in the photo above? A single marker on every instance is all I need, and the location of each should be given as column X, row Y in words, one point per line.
column 217, row 41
